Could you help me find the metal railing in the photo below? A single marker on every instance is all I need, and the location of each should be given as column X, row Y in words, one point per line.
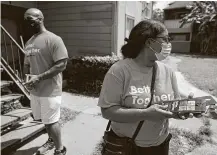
column 12, row 58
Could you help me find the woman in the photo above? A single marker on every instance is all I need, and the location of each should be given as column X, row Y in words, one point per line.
column 126, row 93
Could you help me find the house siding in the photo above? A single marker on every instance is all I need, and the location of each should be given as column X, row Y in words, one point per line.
column 85, row 27
column 24, row 4
column 132, row 9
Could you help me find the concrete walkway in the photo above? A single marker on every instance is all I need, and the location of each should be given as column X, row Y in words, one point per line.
column 83, row 133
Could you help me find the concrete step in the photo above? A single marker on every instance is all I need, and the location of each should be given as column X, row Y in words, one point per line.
column 6, row 83
column 10, row 102
column 14, row 117
column 10, row 98
column 27, row 130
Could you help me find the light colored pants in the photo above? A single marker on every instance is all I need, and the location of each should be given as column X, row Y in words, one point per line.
column 46, row 108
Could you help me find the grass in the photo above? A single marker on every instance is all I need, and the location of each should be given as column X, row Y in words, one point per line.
column 200, row 71
column 67, row 115
column 181, row 143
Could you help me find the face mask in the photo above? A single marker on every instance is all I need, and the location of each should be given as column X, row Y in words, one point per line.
column 165, row 51
column 33, row 24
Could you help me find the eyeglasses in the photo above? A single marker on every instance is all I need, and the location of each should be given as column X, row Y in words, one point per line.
column 165, row 39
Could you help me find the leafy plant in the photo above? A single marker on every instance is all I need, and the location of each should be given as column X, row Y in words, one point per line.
column 204, row 13
column 85, row 74
column 158, row 15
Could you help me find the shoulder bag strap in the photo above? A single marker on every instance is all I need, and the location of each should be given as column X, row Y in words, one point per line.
column 152, row 94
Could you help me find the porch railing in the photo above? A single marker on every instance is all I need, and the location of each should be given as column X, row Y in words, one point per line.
column 12, row 57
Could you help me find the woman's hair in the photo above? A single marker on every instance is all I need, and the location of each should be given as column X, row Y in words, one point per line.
column 138, row 36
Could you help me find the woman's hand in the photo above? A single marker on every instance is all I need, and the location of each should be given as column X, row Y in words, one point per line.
column 158, row 112
column 184, row 116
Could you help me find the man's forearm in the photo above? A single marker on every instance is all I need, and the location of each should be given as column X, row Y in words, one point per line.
column 122, row 115
column 53, row 71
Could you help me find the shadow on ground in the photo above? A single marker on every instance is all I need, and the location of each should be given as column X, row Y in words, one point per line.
column 195, row 55
column 30, row 151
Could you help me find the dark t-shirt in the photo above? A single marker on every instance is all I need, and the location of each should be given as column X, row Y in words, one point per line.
column 43, row 50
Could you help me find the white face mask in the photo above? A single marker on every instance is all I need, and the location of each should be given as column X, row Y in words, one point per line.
column 165, row 51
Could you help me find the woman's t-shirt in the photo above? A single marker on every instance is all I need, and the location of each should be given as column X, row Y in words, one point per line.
column 128, row 85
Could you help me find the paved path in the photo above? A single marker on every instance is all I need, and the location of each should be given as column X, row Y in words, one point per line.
column 83, row 133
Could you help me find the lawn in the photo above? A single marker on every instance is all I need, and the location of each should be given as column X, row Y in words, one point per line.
column 199, row 71
column 184, row 141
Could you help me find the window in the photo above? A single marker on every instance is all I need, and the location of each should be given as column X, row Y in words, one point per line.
column 146, row 10
column 129, row 24
column 170, row 15
column 180, row 36
column 180, row 15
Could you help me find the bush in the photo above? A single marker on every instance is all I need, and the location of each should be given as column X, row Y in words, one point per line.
column 85, row 74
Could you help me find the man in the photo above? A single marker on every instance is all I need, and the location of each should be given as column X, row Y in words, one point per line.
column 46, row 59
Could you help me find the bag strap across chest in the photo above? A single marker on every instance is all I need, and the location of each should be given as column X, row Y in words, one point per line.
column 149, row 104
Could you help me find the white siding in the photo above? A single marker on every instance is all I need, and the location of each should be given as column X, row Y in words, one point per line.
column 86, row 27
column 174, row 24
column 24, row 4
column 132, row 9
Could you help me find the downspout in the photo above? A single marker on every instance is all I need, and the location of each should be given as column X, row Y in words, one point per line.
column 114, row 41
column 152, row 7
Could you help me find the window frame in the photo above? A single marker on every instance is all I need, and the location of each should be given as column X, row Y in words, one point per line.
column 187, row 36
column 128, row 17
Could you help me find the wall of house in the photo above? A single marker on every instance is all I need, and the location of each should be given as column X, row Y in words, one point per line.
column 132, row 9
column 24, row 4
column 86, row 27
column 172, row 22
column 12, row 13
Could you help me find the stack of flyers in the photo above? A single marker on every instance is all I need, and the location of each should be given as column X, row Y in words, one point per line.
column 194, row 105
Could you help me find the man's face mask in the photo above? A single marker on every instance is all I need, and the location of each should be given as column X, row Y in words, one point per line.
column 164, row 51
column 32, row 22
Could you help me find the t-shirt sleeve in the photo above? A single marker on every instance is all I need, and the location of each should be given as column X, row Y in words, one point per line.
column 59, row 50
column 111, row 92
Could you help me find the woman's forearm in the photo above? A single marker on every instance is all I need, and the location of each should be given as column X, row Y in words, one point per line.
column 123, row 115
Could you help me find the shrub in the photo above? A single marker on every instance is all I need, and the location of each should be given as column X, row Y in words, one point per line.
column 85, row 74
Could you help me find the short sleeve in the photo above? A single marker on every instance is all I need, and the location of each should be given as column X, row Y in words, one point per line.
column 111, row 92
column 59, row 50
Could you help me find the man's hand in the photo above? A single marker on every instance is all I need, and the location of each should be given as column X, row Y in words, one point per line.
column 34, row 80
